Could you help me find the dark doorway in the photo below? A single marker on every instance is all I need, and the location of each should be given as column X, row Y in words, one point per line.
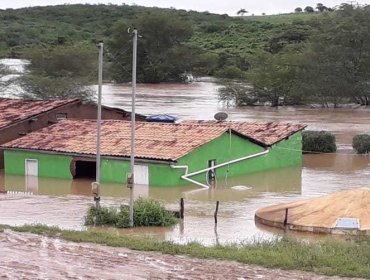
column 85, row 169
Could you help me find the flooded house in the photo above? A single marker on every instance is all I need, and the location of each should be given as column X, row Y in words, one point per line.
column 19, row 117
column 167, row 154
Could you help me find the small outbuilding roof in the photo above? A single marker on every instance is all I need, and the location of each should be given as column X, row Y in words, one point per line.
column 338, row 212
column 264, row 133
column 157, row 141
column 14, row 110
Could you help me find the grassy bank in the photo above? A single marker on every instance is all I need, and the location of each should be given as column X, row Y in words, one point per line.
column 325, row 257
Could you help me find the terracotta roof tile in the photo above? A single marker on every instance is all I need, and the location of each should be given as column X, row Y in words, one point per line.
column 153, row 140
column 14, row 110
column 159, row 141
column 265, row 133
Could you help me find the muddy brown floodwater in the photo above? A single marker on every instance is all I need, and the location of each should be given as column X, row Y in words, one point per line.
column 63, row 203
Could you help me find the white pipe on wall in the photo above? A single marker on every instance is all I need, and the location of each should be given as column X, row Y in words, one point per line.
column 187, row 175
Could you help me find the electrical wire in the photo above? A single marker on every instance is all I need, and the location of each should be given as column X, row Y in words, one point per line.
column 320, row 153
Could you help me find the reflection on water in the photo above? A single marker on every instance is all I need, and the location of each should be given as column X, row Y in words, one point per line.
column 281, row 180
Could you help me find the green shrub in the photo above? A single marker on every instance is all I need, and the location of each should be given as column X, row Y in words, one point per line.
column 100, row 216
column 122, row 218
column 361, row 143
column 318, row 142
column 147, row 212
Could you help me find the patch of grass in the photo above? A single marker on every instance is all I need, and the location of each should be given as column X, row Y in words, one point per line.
column 329, row 257
column 147, row 212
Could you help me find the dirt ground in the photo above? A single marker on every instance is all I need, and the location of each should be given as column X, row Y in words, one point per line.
column 29, row 256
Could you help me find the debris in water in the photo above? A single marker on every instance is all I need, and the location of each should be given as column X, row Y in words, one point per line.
column 241, row 188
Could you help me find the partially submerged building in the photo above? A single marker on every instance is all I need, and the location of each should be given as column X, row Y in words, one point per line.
column 344, row 212
column 19, row 117
column 166, row 154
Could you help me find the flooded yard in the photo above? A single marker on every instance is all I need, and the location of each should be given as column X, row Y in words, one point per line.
column 63, row 203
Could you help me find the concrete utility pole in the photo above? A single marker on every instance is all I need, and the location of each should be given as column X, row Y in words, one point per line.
column 96, row 184
column 131, row 184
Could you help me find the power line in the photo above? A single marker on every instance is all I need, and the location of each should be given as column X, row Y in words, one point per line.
column 321, row 153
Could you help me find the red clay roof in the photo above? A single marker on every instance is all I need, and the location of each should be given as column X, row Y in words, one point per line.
column 14, row 110
column 159, row 141
column 153, row 140
column 265, row 133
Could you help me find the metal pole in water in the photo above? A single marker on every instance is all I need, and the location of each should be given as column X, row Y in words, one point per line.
column 132, row 158
column 96, row 188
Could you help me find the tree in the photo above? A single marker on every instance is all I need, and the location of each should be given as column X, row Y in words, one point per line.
column 163, row 52
column 320, row 7
column 291, row 34
column 309, row 9
column 242, row 12
column 60, row 72
column 335, row 65
column 298, row 10
column 270, row 80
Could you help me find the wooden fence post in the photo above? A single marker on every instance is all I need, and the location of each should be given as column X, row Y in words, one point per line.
column 182, row 208
column 286, row 217
column 216, row 211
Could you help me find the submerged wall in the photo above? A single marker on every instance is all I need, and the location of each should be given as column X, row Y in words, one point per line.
column 225, row 148
column 49, row 165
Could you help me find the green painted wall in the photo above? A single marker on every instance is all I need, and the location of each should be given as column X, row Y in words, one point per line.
column 50, row 165
column 225, row 148
column 114, row 171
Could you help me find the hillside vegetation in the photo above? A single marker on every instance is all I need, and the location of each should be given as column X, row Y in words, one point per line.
column 299, row 58
column 47, row 26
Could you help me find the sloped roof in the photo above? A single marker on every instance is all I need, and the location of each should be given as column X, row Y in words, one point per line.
column 264, row 133
column 15, row 110
column 159, row 141
column 153, row 140
column 322, row 213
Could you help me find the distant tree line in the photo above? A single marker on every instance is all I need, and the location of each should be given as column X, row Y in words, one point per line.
column 308, row 9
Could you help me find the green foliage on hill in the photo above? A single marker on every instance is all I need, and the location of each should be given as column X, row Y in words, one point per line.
column 228, row 38
column 283, row 59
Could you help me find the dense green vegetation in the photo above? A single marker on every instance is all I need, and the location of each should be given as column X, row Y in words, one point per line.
column 361, row 143
column 60, row 72
column 329, row 257
column 53, row 25
column 312, row 57
column 318, row 142
column 324, row 60
column 172, row 42
column 147, row 212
